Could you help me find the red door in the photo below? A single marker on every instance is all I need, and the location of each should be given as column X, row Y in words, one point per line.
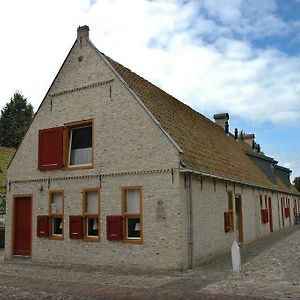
column 22, row 226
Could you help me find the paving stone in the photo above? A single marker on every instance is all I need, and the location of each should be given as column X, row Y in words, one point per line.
column 271, row 270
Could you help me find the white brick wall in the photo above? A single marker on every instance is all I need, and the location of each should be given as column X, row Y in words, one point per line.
column 209, row 204
column 163, row 245
column 126, row 139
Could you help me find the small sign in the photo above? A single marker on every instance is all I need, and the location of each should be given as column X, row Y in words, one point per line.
column 161, row 214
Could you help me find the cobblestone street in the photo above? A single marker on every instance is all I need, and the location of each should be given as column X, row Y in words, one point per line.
column 271, row 270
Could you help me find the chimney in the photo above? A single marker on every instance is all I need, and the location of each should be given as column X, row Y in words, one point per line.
column 236, row 133
column 82, row 34
column 222, row 120
column 249, row 139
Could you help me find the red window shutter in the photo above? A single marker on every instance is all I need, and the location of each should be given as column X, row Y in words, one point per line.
column 265, row 216
column 42, row 226
column 226, row 222
column 75, row 227
column 287, row 212
column 51, row 148
column 114, row 228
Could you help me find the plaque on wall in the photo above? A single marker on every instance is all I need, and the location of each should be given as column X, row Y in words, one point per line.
column 161, row 214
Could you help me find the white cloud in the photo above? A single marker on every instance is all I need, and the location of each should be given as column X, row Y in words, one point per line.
column 202, row 52
column 165, row 41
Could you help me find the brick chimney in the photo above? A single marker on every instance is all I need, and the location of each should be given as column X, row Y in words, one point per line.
column 249, row 138
column 82, row 34
column 222, row 120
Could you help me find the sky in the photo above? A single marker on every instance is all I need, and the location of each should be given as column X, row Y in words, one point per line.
column 235, row 56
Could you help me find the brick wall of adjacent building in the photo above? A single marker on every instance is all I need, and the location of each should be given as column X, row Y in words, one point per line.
column 210, row 201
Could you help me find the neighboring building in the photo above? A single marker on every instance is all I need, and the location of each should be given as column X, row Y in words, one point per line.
column 5, row 156
column 115, row 172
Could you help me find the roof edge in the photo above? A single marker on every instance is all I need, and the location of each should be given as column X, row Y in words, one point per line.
column 260, row 156
column 235, row 181
column 283, row 168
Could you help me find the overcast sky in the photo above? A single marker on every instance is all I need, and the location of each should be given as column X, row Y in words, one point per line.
column 235, row 56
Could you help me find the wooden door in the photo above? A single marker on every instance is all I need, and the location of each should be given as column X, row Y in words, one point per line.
column 22, row 226
column 239, row 219
column 270, row 214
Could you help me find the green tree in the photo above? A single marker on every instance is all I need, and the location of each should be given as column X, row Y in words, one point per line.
column 15, row 119
column 296, row 183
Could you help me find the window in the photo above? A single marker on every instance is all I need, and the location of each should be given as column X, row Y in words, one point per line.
column 264, row 213
column 230, row 201
column 228, row 215
column 79, row 145
column 91, row 214
column 132, row 214
column 260, row 202
column 69, row 146
column 56, row 212
column 266, row 202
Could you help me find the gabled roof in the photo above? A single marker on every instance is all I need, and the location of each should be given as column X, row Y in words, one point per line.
column 206, row 147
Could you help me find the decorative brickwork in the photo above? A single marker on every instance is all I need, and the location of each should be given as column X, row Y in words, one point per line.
column 89, row 86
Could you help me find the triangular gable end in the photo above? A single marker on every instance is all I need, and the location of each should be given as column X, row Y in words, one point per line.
column 85, row 74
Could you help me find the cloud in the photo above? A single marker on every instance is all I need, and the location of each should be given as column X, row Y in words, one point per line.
column 189, row 48
column 205, row 53
column 247, row 18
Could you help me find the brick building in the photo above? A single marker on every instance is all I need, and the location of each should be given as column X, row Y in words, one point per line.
column 115, row 172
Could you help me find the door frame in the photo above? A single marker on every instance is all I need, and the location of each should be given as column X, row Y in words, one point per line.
column 13, row 223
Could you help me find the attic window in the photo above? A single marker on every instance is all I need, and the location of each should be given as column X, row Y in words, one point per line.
column 80, row 144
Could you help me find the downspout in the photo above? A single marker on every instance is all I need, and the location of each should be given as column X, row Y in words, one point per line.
column 279, row 213
column 190, row 221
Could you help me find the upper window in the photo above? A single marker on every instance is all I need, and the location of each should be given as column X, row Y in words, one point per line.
column 91, row 213
column 56, row 212
column 69, row 146
column 132, row 214
column 79, row 145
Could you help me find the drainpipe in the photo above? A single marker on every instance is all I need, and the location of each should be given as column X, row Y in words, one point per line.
column 190, row 221
column 279, row 214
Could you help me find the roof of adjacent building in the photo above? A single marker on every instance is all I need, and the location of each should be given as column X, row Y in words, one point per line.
column 206, row 147
column 5, row 157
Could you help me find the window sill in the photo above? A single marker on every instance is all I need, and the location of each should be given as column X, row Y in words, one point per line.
column 56, row 238
column 128, row 241
column 92, row 239
column 79, row 167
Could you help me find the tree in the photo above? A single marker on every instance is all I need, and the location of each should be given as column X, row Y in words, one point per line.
column 15, row 119
column 296, row 183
